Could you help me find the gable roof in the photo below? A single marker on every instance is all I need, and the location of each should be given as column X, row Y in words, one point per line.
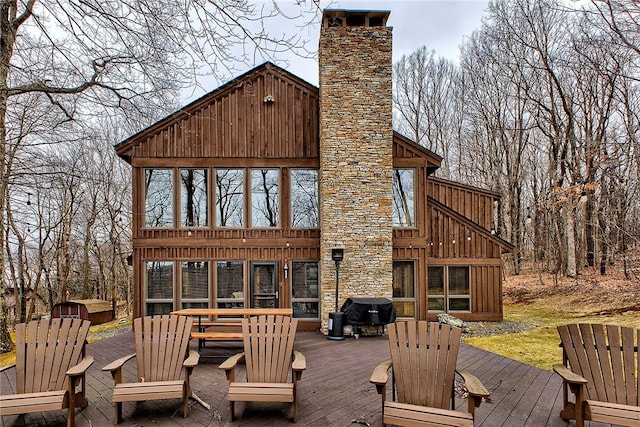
column 505, row 246
column 405, row 148
column 125, row 148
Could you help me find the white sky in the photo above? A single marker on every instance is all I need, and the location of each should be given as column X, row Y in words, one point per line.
column 440, row 25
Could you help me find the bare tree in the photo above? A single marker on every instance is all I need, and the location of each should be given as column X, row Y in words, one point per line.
column 426, row 103
column 63, row 63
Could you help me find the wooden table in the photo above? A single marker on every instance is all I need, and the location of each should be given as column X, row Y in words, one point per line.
column 224, row 318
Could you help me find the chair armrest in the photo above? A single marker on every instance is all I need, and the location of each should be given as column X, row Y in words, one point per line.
column 4, row 368
column 81, row 367
column 473, row 385
column 380, row 374
column 567, row 375
column 117, row 364
column 191, row 360
column 298, row 365
column 476, row 391
column 299, row 361
column 229, row 365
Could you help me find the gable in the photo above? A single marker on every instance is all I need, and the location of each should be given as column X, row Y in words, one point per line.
column 265, row 113
column 406, row 153
column 474, row 240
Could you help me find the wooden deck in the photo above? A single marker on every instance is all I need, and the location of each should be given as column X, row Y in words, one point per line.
column 334, row 390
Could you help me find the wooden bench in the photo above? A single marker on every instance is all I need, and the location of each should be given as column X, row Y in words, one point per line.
column 225, row 323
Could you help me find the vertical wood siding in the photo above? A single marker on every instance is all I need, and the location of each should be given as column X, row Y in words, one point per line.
column 470, row 202
column 238, row 123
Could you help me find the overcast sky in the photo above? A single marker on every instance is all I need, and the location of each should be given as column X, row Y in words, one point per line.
column 440, row 25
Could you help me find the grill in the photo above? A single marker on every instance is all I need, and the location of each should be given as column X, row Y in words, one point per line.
column 376, row 312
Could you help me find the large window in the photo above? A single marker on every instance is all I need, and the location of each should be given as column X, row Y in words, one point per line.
column 243, row 198
column 230, row 284
column 195, row 284
column 449, row 288
column 265, row 197
column 193, row 198
column 305, row 297
column 403, row 201
column 159, row 287
column 404, row 288
column 158, row 193
column 229, row 197
column 304, row 198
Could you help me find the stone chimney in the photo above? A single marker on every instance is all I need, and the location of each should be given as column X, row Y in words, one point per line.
column 356, row 155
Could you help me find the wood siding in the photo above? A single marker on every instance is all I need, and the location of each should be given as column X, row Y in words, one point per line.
column 236, row 122
column 473, row 203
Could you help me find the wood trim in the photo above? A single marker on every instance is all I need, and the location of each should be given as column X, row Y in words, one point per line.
column 225, row 163
column 434, row 262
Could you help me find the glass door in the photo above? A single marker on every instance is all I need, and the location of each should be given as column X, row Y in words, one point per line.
column 264, row 285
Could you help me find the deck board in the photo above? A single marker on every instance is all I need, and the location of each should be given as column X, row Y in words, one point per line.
column 333, row 391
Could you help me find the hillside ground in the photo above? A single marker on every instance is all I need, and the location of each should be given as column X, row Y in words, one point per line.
column 535, row 303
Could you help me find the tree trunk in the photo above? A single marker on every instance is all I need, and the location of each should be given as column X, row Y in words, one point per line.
column 572, row 270
column 6, row 48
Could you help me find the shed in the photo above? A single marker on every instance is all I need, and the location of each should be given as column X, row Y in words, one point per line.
column 95, row 310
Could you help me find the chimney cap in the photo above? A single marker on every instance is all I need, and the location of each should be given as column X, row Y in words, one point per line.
column 354, row 18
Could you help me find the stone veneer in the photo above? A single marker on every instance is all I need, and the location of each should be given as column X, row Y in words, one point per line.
column 356, row 160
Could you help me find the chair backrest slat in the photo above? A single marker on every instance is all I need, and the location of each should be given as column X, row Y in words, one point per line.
column 47, row 363
column 631, row 366
column 60, row 358
column 606, row 358
column 45, row 350
column 21, row 348
column 44, row 354
column 138, row 326
column 162, row 343
column 268, row 347
column 424, row 356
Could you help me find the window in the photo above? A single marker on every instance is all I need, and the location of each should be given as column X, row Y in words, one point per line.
column 265, row 199
column 404, row 288
column 403, row 209
column 195, row 284
column 264, row 284
column 459, row 289
column 230, row 284
column 456, row 295
column 305, row 297
column 435, row 289
column 159, row 292
column 193, row 198
column 304, row 198
column 229, row 197
column 158, row 193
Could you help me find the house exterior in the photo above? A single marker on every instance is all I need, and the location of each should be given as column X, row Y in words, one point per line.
column 240, row 197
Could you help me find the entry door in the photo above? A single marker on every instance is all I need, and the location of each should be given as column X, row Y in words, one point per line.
column 264, row 285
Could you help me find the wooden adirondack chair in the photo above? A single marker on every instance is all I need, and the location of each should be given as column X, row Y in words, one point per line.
column 50, row 365
column 600, row 367
column 162, row 344
column 268, row 355
column 423, row 362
